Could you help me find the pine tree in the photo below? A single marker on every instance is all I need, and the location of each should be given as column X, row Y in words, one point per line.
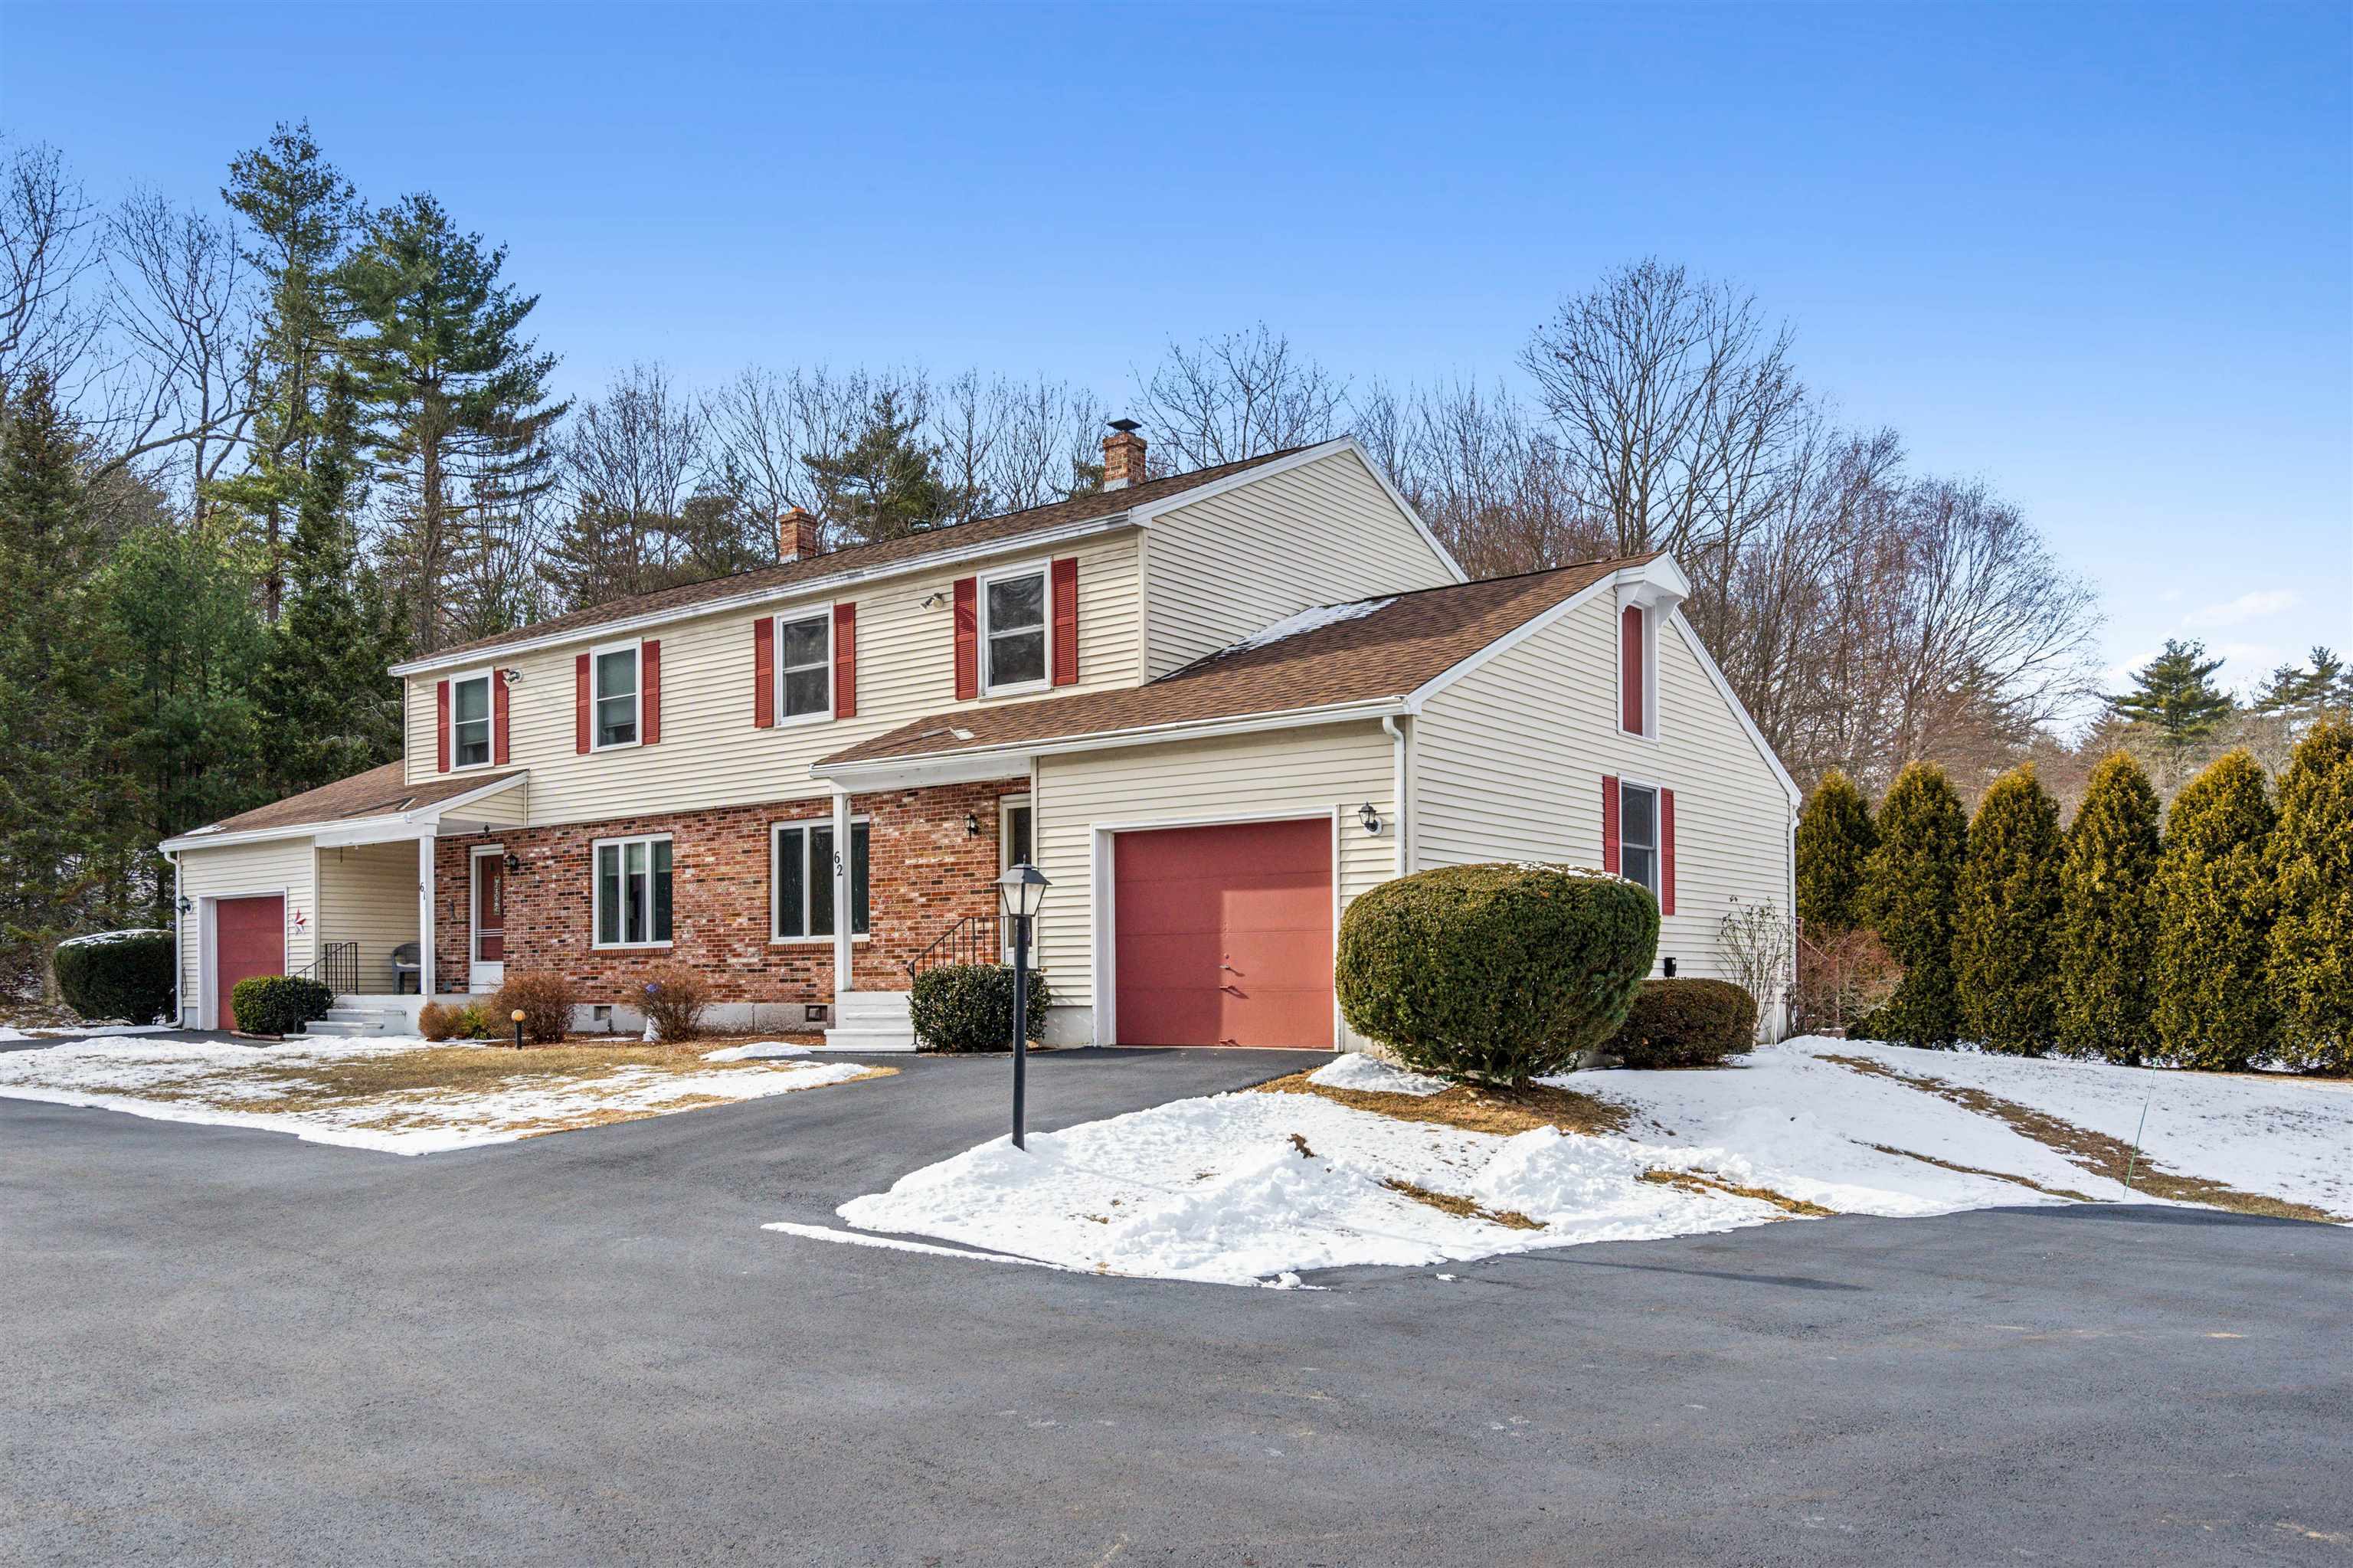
column 2312, row 939
column 1835, row 839
column 2005, row 938
column 1911, row 896
column 2108, row 922
column 2214, row 892
column 884, row 484
column 2176, row 701
column 2304, row 696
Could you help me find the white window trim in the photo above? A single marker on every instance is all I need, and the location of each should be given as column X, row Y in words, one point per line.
column 808, row 884
column 636, row 647
column 1658, row 833
column 596, row 890
column 776, row 634
column 1044, row 572
column 490, row 677
column 1650, row 730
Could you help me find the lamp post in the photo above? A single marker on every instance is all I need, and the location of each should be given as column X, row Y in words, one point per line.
column 1022, row 888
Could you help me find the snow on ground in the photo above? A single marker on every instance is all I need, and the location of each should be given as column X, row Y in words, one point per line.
column 757, row 1051
column 211, row 1082
column 1221, row 1189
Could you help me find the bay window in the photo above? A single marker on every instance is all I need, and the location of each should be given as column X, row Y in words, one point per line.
column 801, row 881
column 632, row 891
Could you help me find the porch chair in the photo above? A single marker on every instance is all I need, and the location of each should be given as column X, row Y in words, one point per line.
column 406, row 968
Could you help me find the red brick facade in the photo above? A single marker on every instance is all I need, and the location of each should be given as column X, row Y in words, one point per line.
column 925, row 869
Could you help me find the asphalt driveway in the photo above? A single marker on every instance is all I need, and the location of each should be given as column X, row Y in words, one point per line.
column 224, row 1346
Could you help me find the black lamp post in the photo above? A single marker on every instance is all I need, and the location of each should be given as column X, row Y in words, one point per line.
column 1022, row 888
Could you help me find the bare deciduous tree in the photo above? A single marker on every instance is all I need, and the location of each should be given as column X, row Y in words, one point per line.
column 1237, row 396
column 49, row 247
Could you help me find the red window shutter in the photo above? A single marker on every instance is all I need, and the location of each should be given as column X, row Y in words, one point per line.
column 498, row 717
column 580, row 705
column 1066, row 622
column 967, row 639
column 1666, row 852
column 1630, row 669
column 764, row 672
column 441, row 721
column 649, row 686
column 1610, row 823
column 845, row 660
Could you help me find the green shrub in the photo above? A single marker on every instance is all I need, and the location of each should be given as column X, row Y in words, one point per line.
column 1835, row 838
column 969, row 1007
column 2311, row 956
column 2107, row 917
column 1497, row 973
column 546, row 1002
column 2214, row 897
column 1911, row 896
column 2005, row 936
column 278, row 1004
column 1686, row 1024
column 673, row 998
column 117, row 974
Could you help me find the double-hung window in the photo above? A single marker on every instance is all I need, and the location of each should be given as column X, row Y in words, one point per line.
column 1013, row 631
column 617, row 694
column 801, row 881
column 632, row 891
column 470, row 721
column 804, row 665
column 1637, row 835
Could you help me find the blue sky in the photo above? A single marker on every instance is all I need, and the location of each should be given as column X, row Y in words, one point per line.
column 2102, row 257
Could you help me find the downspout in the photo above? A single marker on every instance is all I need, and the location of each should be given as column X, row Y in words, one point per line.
column 179, row 959
column 1398, row 795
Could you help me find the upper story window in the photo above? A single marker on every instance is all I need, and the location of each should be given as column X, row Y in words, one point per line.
column 617, row 694
column 1013, row 631
column 632, row 893
column 470, row 721
column 1637, row 835
column 804, row 665
column 1638, row 671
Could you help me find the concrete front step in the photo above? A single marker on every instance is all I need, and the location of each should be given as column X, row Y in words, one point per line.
column 351, row 1022
column 870, row 1021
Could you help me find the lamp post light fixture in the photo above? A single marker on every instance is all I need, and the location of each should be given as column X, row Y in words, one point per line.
column 1370, row 818
column 1022, row 889
column 518, row 1024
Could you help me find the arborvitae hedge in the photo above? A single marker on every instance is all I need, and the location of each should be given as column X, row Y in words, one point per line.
column 2312, row 940
column 1835, row 839
column 2005, row 955
column 1910, row 897
column 2215, row 897
column 2107, row 919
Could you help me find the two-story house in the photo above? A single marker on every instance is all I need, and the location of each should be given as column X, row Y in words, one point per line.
column 1212, row 708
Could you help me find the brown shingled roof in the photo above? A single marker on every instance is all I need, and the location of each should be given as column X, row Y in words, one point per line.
column 378, row 793
column 913, row 548
column 1392, row 647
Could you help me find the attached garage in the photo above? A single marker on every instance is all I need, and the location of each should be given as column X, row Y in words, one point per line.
column 248, row 940
column 1222, row 934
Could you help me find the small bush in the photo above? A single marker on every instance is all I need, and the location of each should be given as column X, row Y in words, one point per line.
column 437, row 1021
column 1496, row 972
column 1843, row 978
column 969, row 1007
column 278, row 1004
column 546, row 1001
column 673, row 999
column 117, row 974
column 1686, row 1024
column 467, row 1021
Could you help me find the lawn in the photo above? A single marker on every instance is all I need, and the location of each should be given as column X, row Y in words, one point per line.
column 407, row 1096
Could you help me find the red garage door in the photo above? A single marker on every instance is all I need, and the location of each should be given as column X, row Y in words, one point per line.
column 248, row 940
column 1223, row 936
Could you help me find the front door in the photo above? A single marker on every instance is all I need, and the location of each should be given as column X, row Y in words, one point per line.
column 1017, row 845
column 490, row 924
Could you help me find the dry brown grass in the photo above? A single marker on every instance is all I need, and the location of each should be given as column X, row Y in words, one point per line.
column 1473, row 1107
column 1693, row 1181
column 2094, row 1152
column 1462, row 1208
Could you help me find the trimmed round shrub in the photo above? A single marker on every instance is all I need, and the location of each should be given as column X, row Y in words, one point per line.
column 546, row 1001
column 969, row 1007
column 117, row 974
column 278, row 1004
column 1686, row 1024
column 674, row 998
column 1497, row 973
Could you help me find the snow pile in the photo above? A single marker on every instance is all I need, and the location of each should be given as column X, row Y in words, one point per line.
column 757, row 1050
column 1307, row 620
column 1370, row 1074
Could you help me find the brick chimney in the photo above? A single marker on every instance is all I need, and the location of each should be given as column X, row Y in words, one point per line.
column 796, row 535
column 1122, row 456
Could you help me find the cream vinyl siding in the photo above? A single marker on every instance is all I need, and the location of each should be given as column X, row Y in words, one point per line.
column 234, row 871
column 711, row 754
column 367, row 894
column 1324, row 533
column 1507, row 764
column 1280, row 773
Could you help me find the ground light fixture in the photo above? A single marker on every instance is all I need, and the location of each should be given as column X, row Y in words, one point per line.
column 1022, row 889
column 517, row 1015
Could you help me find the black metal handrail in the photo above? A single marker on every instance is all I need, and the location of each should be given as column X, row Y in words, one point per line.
column 971, row 940
column 337, row 968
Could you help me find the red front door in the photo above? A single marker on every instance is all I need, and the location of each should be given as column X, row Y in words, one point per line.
column 248, row 940
column 1223, row 936
column 490, row 909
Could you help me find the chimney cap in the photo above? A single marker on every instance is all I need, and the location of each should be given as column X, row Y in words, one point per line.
column 1124, row 426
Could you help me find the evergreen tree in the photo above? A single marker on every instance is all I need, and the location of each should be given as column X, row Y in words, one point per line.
column 2107, row 921
column 2304, row 696
column 2214, row 892
column 459, row 400
column 1835, row 839
column 1911, row 896
column 884, row 484
column 2175, row 701
column 2312, row 939
column 2005, row 939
